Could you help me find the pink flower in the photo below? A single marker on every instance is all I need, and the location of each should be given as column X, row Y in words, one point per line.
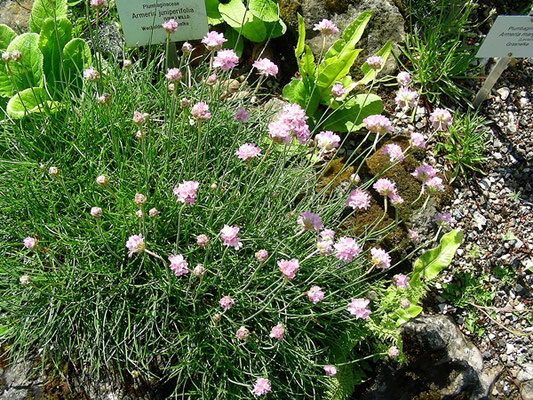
column 377, row 124
column 292, row 119
column 199, row 270
column 173, row 74
column 202, row 240
column 135, row 244
column 178, row 265
column 248, row 151
column 228, row 234
column 200, row 111
column 358, row 308
column 140, row 118
column 279, row 132
column 315, row 294
column 440, row 119
column 417, row 140
column 435, row 184
column 96, row 212
column 394, row 152
column 170, row 26
column 337, row 90
column 211, row 79
column 327, row 140
column 30, row 242
column 242, row 333
column 277, row 331
column 261, row 255
column 226, row 303
column 403, row 78
column 443, row 219
column 241, row 115
column 139, row 199
column 327, row 234
column 358, row 199
column 393, row 352
column 346, row 249
column 375, row 62
column 187, row 47
column 380, row 258
column 266, row 67
column 91, row 74
column 406, row 98
column 261, row 387
column 326, row 27
column 395, row 198
column 310, row 221
column 405, row 303
column 288, row 268
column 401, row 281
column 225, row 60
column 186, row 191
column 153, row 212
column 424, row 172
column 325, row 246
column 213, row 40
column 330, row 370
column 385, row 187
column 97, row 4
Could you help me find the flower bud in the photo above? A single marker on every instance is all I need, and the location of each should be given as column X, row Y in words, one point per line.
column 405, row 304
column 216, row 317
column 187, row 47
column 372, row 295
column 153, row 212
column 185, row 103
column 6, row 56
column 126, row 64
column 24, row 280
column 16, row 55
column 139, row 214
column 261, row 255
column 202, row 241
column 199, row 270
column 104, row 99
column 214, row 186
column 53, row 171
column 393, row 352
column 140, row 199
column 102, row 180
column 96, row 212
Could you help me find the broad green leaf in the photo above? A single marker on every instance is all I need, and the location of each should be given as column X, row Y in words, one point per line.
column 307, row 64
column 43, row 9
column 265, row 10
column 28, row 72
column 6, row 86
column 235, row 14
column 335, row 68
column 275, row 29
column 254, row 30
column 350, row 36
column 29, row 101
column 301, row 37
column 429, row 264
column 76, row 58
column 369, row 73
column 350, row 115
column 6, row 36
column 55, row 34
column 301, row 91
column 213, row 15
column 405, row 315
column 235, row 41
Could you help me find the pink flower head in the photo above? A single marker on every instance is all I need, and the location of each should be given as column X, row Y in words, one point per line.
column 178, row 265
column 440, row 119
column 417, row 140
column 403, row 78
column 200, row 111
column 226, row 303
column 358, row 199
column 393, row 352
column 91, row 74
column 242, row 333
column 326, row 27
column 310, row 221
column 242, row 115
column 435, row 184
column 346, row 249
column 225, row 60
column 266, row 67
column 378, row 124
column 140, row 118
column 153, row 212
column 413, row 235
column 324, row 246
column 315, row 294
column 394, row 152
column 261, row 387
column 30, row 242
column 213, row 40
column 187, row 47
column 424, row 172
column 327, row 141
column 173, row 74
column 170, row 26
column 248, row 151
column 202, row 240
column 330, row 370
column 288, row 268
column 380, row 258
column 327, row 234
column 96, row 212
column 228, row 234
column 261, row 255
column 135, row 244
column 395, row 198
column 375, row 62
column 186, row 191
column 199, row 270
column 406, row 98
column 97, row 4
column 443, row 219
column 358, row 307
column 385, row 187
column 294, row 116
column 277, row 331
column 401, row 281
column 211, row 79
column 279, row 132
column 337, row 90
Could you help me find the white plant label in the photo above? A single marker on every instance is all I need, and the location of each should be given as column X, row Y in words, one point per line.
column 510, row 36
column 141, row 20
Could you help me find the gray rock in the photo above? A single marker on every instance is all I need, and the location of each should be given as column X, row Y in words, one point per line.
column 15, row 13
column 526, row 372
column 526, row 391
column 503, row 92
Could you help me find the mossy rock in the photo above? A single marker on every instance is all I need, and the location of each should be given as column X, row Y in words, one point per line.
column 288, row 10
column 335, row 174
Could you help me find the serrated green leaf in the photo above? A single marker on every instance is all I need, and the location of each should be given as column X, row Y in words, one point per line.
column 265, row 10
column 43, row 9
column 368, row 73
column 28, row 72
column 6, row 36
column 301, row 37
column 335, row 68
column 350, row 36
column 29, row 101
column 350, row 115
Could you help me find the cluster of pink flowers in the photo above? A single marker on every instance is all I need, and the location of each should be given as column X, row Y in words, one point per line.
column 242, row 115
column 330, row 370
column 140, row 118
column 186, row 191
column 262, row 386
column 443, row 219
column 91, row 74
column 173, row 74
column 200, row 111
column 406, row 98
column 380, row 258
column 358, row 199
column 178, row 265
column 358, row 307
column 337, row 91
column 225, row 60
column 248, row 151
column 202, row 240
column 310, row 221
column 326, row 27
column 418, row 140
column 266, row 67
column 440, row 119
column 346, row 249
column 229, row 237
column 292, row 119
column 97, row 4
column 289, row 268
column 378, row 124
column 327, row 140
column 401, row 281
column 277, row 332
column 394, row 152
column 170, row 26
column 213, row 40
column 315, row 294
column 226, row 302
column 428, row 176
column 325, row 244
column 135, row 244
column 375, row 62
column 387, row 188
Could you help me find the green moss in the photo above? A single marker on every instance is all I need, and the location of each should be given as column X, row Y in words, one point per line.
column 334, row 174
column 288, row 10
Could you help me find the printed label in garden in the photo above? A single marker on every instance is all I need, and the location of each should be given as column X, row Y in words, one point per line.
column 510, row 36
column 141, row 20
